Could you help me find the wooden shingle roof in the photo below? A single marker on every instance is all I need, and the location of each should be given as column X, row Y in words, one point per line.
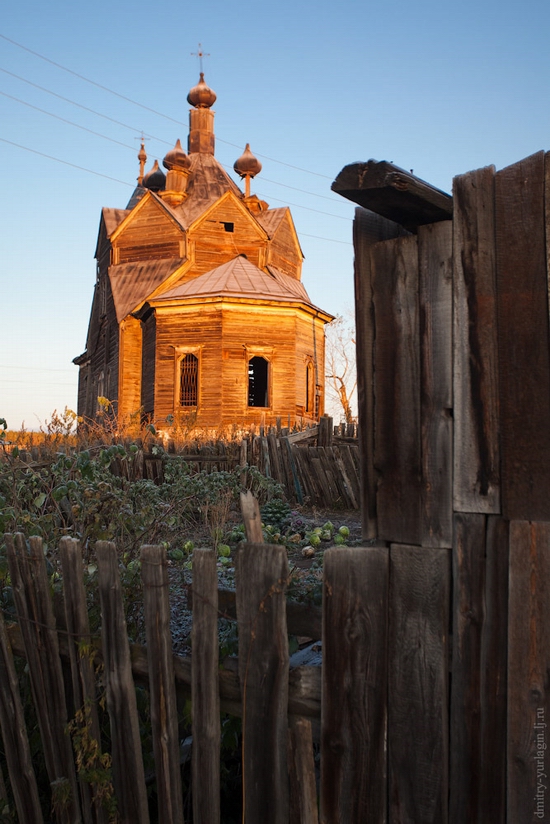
column 132, row 283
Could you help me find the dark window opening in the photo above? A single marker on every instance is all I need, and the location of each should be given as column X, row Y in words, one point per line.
column 257, row 382
column 189, row 381
column 229, row 227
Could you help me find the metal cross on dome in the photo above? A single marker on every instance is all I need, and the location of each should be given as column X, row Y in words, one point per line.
column 200, row 54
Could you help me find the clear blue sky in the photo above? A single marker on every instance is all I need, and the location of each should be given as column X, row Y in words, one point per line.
column 440, row 88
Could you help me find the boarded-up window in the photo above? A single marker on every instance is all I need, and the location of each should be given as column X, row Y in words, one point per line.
column 258, row 394
column 189, row 380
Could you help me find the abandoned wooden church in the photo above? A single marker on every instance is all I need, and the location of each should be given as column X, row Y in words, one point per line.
column 199, row 314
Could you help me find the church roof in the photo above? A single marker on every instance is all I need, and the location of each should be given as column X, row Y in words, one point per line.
column 132, row 283
column 239, row 278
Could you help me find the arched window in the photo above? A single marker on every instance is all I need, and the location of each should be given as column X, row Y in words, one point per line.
column 189, row 380
column 310, row 387
column 258, row 394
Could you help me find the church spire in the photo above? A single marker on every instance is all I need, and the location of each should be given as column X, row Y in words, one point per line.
column 201, row 118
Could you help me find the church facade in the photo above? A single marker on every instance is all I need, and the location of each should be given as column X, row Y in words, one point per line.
column 199, row 314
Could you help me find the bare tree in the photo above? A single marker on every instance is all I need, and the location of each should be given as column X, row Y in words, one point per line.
column 341, row 376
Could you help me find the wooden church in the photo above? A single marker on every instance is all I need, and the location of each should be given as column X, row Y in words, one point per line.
column 199, row 314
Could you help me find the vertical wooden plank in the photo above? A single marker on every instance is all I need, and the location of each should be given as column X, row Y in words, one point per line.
column 476, row 387
column 31, row 592
column 82, row 667
column 397, row 450
column 493, row 679
column 14, row 736
column 528, row 667
column 302, row 767
column 354, row 685
column 524, row 347
column 128, row 774
column 368, row 228
column 469, row 587
column 162, row 685
column 436, row 311
column 205, row 690
column 418, row 732
column 261, row 572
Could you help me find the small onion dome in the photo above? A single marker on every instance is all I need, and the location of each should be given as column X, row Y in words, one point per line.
column 247, row 165
column 201, row 96
column 155, row 179
column 176, row 159
column 142, row 156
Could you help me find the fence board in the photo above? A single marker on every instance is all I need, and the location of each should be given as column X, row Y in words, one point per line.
column 261, row 578
column 528, row 667
column 354, row 682
column 162, row 687
column 205, row 690
column 14, row 735
column 397, row 452
column 468, row 600
column 129, row 779
column 436, row 310
column 493, row 674
column 31, row 593
column 81, row 659
column 524, row 349
column 368, row 229
column 418, row 685
column 303, row 789
column 476, row 387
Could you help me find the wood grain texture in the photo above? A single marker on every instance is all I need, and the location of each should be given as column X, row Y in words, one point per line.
column 31, row 592
column 397, row 450
column 128, row 774
column 418, row 685
column 354, row 685
column 368, row 229
column 205, row 691
column 524, row 346
column 476, row 386
column 528, row 667
column 261, row 572
column 81, row 661
column 162, row 685
column 302, row 772
column 479, row 673
column 14, row 736
column 468, row 617
column 435, row 303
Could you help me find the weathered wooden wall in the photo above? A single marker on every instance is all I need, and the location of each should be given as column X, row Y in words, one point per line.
column 454, row 411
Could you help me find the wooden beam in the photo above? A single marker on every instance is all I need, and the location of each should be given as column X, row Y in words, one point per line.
column 393, row 193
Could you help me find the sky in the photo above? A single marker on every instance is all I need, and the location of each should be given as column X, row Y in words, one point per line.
column 440, row 88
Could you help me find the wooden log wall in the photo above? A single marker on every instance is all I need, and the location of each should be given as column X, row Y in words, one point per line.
column 453, row 356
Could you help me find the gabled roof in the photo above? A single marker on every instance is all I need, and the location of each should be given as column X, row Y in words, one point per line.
column 132, row 283
column 131, row 215
column 272, row 219
column 208, row 181
column 239, row 278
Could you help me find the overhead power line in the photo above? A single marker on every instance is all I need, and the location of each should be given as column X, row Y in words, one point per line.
column 146, row 108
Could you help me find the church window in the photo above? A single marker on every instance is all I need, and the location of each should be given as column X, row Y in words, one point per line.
column 189, row 380
column 229, row 227
column 258, row 372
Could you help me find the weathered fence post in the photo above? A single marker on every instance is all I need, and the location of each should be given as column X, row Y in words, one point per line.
column 354, row 690
column 82, row 668
column 162, row 685
column 129, row 778
column 14, row 736
column 205, row 699
column 261, row 580
column 31, row 594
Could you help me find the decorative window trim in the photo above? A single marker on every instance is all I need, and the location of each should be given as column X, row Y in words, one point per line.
column 260, row 352
column 179, row 354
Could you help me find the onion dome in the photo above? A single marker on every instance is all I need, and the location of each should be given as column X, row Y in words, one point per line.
column 247, row 165
column 176, row 159
column 155, row 179
column 201, row 96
